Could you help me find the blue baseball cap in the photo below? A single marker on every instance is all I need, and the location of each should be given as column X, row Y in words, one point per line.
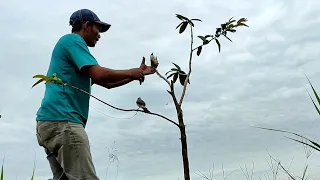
column 84, row 15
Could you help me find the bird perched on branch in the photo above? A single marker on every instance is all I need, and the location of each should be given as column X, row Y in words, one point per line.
column 141, row 104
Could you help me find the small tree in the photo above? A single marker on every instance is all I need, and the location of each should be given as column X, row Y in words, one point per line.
column 175, row 73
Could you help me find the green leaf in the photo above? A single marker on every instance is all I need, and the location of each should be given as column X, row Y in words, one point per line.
column 218, row 31
column 230, row 26
column 171, row 75
column 183, row 27
column 191, row 23
column 231, row 30
column 2, row 176
column 175, row 77
column 199, row 50
column 2, row 171
column 168, row 72
column 172, row 70
column 223, row 26
column 196, row 20
column 39, row 81
column 202, row 38
column 314, row 91
column 315, row 94
column 34, row 166
column 317, row 146
column 242, row 20
column 179, row 25
column 314, row 147
column 231, row 21
column 40, row 76
column 314, row 104
column 181, row 17
column 206, row 42
column 182, row 78
column 242, row 24
column 228, row 38
column 182, row 72
column 218, row 43
column 179, row 69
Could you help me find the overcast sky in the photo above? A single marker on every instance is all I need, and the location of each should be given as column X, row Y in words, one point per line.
column 257, row 80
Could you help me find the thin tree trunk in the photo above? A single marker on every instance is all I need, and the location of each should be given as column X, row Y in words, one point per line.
column 184, row 152
column 184, row 147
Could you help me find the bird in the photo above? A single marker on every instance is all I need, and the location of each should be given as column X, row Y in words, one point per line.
column 141, row 104
column 154, row 61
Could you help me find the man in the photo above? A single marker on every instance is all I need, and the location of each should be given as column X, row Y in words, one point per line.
column 63, row 114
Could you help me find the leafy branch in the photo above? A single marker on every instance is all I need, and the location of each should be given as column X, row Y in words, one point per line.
column 177, row 72
column 54, row 79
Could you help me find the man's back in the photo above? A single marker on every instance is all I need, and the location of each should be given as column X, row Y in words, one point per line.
column 64, row 103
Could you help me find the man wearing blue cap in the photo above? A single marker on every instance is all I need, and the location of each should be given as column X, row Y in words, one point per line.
column 63, row 114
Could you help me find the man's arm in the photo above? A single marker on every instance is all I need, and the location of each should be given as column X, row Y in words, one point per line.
column 101, row 75
column 116, row 84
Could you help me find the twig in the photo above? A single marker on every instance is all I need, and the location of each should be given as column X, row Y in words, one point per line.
column 120, row 109
column 171, row 92
column 190, row 63
column 204, row 44
column 187, row 79
column 112, row 116
column 112, row 158
column 162, row 77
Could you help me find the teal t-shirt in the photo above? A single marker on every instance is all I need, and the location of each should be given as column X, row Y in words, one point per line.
column 61, row 103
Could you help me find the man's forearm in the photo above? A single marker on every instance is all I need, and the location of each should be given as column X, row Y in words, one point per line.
column 102, row 75
column 114, row 76
column 116, row 84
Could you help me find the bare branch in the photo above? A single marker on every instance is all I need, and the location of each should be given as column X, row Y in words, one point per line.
column 246, row 173
column 120, row 109
column 190, row 60
column 162, row 77
column 204, row 44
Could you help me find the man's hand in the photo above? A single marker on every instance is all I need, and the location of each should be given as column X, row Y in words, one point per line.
column 136, row 73
column 143, row 65
column 147, row 70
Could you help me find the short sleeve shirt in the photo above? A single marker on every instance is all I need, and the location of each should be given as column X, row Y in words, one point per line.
column 63, row 103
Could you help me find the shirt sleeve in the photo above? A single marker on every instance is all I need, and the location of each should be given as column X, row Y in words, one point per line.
column 80, row 54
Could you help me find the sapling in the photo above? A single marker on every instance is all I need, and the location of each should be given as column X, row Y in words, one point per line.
column 176, row 72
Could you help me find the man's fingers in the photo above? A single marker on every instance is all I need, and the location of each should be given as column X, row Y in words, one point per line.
column 143, row 61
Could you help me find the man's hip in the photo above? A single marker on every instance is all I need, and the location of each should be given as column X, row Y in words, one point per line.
column 68, row 143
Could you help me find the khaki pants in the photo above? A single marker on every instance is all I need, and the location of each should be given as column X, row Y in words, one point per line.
column 67, row 148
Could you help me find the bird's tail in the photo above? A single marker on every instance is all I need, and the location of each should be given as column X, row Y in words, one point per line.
column 145, row 110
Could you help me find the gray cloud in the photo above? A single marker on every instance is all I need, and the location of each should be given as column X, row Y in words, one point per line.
column 256, row 80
